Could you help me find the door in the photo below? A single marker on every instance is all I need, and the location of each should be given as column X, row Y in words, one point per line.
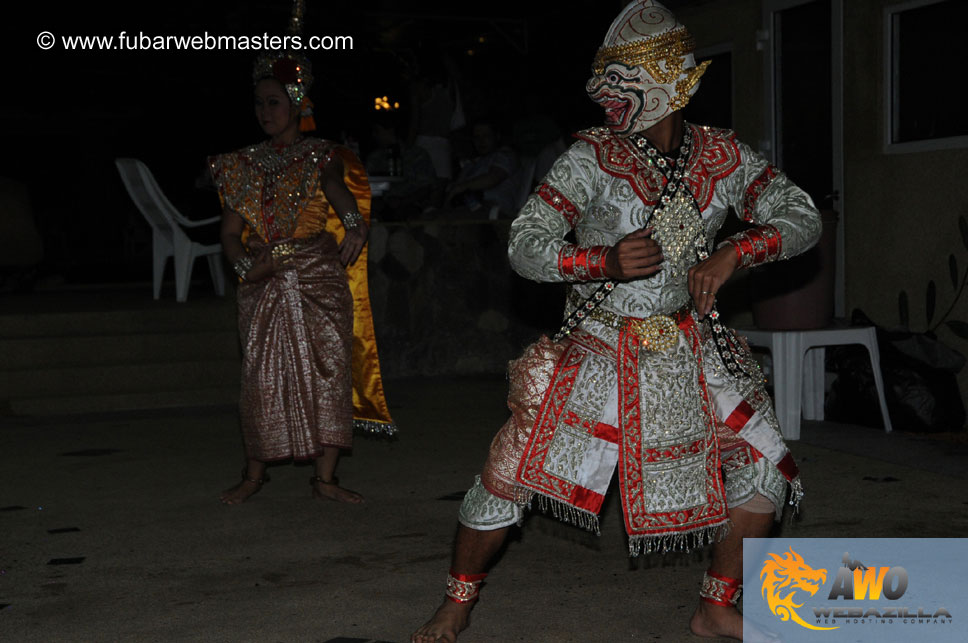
column 804, row 112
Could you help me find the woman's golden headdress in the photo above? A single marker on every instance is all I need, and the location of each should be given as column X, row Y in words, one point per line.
column 291, row 67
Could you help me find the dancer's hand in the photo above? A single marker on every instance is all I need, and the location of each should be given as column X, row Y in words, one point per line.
column 707, row 277
column 352, row 244
column 636, row 255
column 264, row 265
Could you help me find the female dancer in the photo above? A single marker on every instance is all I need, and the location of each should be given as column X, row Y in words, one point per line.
column 295, row 305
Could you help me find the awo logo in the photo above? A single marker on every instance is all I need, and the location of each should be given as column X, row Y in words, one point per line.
column 783, row 577
column 880, row 587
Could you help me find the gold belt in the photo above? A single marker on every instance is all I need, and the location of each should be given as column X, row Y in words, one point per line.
column 289, row 248
column 655, row 333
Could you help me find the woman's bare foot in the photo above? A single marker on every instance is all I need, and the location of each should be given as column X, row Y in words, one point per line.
column 448, row 621
column 241, row 492
column 332, row 491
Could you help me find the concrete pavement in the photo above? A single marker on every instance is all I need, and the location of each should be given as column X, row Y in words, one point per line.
column 110, row 530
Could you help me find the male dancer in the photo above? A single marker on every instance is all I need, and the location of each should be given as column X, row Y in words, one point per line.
column 643, row 377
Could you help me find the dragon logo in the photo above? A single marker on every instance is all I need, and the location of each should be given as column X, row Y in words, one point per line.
column 789, row 572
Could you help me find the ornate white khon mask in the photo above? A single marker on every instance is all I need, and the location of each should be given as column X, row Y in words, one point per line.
column 644, row 69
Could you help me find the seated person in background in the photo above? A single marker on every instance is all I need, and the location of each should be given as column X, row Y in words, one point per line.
column 488, row 179
column 391, row 156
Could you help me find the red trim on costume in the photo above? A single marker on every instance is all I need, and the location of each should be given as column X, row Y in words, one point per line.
column 756, row 188
column 582, row 264
column 606, row 432
column 740, row 416
column 586, row 499
column 685, row 321
column 788, row 467
column 618, row 158
column 757, row 245
column 630, row 417
column 715, row 155
column 566, row 260
column 559, row 202
column 677, row 451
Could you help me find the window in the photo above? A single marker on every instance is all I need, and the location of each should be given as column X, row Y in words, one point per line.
column 926, row 62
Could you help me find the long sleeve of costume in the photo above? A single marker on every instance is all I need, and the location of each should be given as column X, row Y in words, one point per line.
column 787, row 222
column 538, row 249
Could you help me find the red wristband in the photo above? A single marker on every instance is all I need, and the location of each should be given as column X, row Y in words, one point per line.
column 582, row 264
column 756, row 246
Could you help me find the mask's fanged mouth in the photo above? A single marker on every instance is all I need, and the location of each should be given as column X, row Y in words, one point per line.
column 615, row 111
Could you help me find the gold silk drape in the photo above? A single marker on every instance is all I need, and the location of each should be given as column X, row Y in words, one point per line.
column 370, row 412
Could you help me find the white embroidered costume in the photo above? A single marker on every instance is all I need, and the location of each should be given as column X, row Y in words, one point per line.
column 671, row 419
column 637, row 381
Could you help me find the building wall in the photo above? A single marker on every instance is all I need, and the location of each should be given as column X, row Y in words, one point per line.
column 734, row 24
column 900, row 210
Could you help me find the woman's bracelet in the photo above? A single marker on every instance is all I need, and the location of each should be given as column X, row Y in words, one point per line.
column 352, row 220
column 242, row 266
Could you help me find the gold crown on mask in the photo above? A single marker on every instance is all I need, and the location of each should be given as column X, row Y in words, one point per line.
column 677, row 42
column 662, row 56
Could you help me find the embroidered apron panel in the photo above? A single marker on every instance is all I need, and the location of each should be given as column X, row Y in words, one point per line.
column 646, row 411
column 572, row 452
column 669, row 467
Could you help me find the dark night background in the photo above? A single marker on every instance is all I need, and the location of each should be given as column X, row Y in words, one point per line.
column 67, row 115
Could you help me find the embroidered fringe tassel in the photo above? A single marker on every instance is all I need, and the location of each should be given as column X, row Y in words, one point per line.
column 375, row 429
column 523, row 496
column 678, row 542
column 796, row 494
column 568, row 514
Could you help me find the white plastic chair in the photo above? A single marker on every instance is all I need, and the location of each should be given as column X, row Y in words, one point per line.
column 168, row 238
column 798, row 370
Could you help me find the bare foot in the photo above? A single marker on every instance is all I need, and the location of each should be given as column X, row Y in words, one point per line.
column 332, row 491
column 241, row 492
column 717, row 620
column 448, row 621
column 711, row 621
